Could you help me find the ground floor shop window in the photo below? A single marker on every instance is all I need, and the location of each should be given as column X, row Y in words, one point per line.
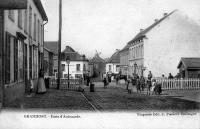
column 14, row 70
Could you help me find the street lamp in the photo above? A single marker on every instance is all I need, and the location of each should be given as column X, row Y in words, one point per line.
column 135, row 66
column 68, row 62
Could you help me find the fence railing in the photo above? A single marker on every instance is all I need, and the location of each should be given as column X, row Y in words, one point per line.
column 179, row 84
column 74, row 84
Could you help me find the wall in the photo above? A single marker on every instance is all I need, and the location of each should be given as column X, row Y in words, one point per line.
column 16, row 90
column 124, row 61
column 177, row 36
column 72, row 67
column 113, row 67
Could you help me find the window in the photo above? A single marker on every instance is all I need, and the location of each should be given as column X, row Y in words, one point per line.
column 78, row 76
column 30, row 21
column 14, row 59
column 55, row 70
column 34, row 33
column 78, row 67
column 20, row 19
column 25, row 21
column 109, row 67
column 63, row 67
column 84, row 67
column 11, row 15
column 20, row 61
column 38, row 36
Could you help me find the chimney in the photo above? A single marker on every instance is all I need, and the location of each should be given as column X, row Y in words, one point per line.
column 165, row 14
column 83, row 56
column 156, row 20
column 141, row 30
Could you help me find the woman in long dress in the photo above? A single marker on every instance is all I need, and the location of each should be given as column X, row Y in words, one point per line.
column 41, row 84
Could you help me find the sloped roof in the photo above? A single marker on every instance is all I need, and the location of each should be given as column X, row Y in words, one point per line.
column 72, row 54
column 52, row 45
column 115, row 58
column 41, row 9
column 190, row 63
column 143, row 33
column 97, row 59
column 126, row 48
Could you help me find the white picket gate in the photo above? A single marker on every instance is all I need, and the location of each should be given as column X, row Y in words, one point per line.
column 179, row 84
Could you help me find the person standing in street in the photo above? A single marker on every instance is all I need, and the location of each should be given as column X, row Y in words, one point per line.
column 41, row 84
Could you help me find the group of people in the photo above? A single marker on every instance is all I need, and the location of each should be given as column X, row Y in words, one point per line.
column 140, row 83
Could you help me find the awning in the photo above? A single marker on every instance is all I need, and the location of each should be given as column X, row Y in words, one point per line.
column 13, row 4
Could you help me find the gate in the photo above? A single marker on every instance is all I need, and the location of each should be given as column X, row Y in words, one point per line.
column 74, row 84
column 179, row 84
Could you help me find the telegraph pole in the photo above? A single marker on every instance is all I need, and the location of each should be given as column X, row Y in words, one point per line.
column 59, row 43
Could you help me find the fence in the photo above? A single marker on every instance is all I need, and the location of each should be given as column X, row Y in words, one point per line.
column 74, row 84
column 179, row 84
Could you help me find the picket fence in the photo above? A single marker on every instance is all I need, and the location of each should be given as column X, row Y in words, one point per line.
column 179, row 84
column 74, row 84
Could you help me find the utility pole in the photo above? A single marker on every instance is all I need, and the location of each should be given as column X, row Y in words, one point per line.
column 59, row 43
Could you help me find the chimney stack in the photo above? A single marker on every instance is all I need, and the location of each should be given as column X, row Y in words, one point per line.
column 165, row 14
column 156, row 20
column 141, row 30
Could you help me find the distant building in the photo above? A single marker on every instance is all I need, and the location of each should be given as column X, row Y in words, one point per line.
column 48, row 62
column 21, row 44
column 113, row 64
column 53, row 47
column 124, row 60
column 78, row 67
column 96, row 66
column 159, row 47
column 189, row 68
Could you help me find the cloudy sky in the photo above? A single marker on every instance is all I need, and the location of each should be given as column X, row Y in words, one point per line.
column 107, row 25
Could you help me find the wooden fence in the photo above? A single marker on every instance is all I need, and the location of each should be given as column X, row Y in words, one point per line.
column 74, row 84
column 179, row 84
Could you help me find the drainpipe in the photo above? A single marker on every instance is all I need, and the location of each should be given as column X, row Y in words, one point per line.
column 43, row 44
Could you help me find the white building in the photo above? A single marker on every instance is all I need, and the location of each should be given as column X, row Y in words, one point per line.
column 78, row 66
column 21, row 43
column 113, row 64
column 159, row 47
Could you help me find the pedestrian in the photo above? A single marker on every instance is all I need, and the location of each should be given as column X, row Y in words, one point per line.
column 117, row 79
column 129, row 86
column 138, row 84
column 41, row 84
column 148, row 86
column 153, row 86
column 88, row 80
column 170, row 76
column 105, row 82
column 142, row 82
column 150, row 75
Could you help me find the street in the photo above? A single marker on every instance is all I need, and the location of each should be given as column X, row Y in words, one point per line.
column 113, row 98
column 116, row 98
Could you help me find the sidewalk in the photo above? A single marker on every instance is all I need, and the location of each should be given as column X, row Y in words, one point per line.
column 54, row 99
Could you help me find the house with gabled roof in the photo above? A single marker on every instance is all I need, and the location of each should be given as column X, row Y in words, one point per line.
column 78, row 67
column 113, row 63
column 189, row 67
column 159, row 47
column 96, row 66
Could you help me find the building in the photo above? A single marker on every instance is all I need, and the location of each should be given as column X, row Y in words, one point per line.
column 53, row 47
column 21, row 43
column 96, row 66
column 124, row 60
column 78, row 67
column 159, row 47
column 48, row 62
column 113, row 64
column 189, row 68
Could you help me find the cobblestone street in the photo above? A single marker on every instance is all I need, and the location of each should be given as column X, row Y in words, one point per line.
column 55, row 99
column 116, row 98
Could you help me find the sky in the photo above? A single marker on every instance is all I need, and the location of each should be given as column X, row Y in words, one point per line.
column 107, row 25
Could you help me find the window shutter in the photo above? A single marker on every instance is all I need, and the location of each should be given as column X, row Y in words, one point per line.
column 7, row 60
column 15, row 59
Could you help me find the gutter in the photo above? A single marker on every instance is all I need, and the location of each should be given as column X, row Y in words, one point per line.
column 43, row 43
